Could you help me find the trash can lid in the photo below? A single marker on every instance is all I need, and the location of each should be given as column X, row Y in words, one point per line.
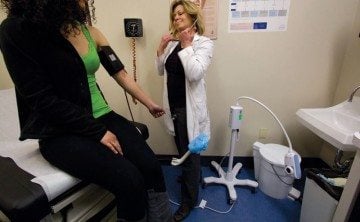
column 274, row 153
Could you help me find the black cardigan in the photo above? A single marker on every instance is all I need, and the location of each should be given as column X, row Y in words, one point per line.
column 50, row 79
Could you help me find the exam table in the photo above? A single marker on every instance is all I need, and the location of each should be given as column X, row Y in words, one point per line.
column 31, row 189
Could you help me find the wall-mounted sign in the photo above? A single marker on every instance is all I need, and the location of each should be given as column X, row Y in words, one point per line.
column 258, row 15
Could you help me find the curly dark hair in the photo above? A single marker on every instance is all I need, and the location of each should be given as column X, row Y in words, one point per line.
column 60, row 15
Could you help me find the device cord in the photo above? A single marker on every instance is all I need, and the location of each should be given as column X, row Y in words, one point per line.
column 134, row 58
column 206, row 207
column 133, row 46
column 276, row 173
column 128, row 104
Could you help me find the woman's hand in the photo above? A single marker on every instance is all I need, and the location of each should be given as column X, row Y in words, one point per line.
column 156, row 111
column 186, row 37
column 111, row 142
column 165, row 39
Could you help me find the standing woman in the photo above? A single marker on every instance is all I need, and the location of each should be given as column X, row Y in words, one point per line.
column 52, row 56
column 183, row 57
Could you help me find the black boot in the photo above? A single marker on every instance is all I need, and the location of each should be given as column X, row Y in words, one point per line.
column 182, row 212
column 159, row 207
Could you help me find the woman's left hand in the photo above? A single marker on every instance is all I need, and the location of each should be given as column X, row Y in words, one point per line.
column 186, row 37
column 156, row 111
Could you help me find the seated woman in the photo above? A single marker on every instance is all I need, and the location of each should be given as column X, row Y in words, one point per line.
column 52, row 56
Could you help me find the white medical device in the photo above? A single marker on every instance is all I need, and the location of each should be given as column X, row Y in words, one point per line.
column 229, row 178
column 291, row 159
column 292, row 164
column 235, row 117
column 177, row 161
column 234, row 123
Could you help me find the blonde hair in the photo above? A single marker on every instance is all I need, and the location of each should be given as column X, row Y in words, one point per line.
column 193, row 10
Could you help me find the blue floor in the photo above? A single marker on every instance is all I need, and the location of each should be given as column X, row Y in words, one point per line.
column 249, row 206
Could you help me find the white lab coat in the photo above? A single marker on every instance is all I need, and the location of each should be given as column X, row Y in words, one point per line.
column 195, row 60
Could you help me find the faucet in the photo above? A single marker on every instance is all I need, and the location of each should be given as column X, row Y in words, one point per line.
column 353, row 93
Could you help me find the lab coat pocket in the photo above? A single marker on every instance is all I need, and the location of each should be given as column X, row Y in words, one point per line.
column 198, row 91
column 198, row 96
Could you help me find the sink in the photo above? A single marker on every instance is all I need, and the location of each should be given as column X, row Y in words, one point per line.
column 336, row 124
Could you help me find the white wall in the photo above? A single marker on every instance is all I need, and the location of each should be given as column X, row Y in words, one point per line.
column 5, row 81
column 298, row 68
column 349, row 78
column 350, row 72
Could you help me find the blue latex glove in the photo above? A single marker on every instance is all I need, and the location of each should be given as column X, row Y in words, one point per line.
column 200, row 143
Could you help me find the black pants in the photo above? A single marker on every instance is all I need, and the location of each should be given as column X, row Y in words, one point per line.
column 191, row 166
column 127, row 177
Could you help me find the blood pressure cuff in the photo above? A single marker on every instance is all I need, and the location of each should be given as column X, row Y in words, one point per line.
column 109, row 60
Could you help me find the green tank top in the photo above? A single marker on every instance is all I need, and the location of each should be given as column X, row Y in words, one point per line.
column 92, row 63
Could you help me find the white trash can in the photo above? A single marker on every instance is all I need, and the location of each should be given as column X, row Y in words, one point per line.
column 320, row 199
column 270, row 170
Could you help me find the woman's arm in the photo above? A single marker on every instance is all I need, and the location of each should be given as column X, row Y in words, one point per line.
column 160, row 52
column 197, row 58
column 125, row 80
column 128, row 83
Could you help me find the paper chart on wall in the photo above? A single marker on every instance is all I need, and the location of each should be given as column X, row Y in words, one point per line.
column 210, row 13
column 258, row 15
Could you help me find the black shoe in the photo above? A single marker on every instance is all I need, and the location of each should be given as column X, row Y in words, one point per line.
column 182, row 212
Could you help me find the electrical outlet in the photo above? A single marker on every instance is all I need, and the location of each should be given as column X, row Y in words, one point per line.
column 263, row 133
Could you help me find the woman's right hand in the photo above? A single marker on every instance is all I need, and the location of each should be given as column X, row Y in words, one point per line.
column 165, row 39
column 156, row 111
column 111, row 142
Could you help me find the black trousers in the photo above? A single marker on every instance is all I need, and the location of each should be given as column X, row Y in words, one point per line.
column 191, row 166
column 128, row 177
